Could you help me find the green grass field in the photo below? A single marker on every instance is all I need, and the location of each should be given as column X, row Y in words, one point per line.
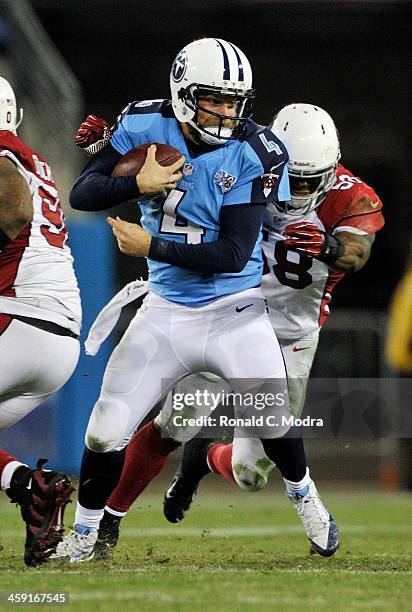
column 233, row 551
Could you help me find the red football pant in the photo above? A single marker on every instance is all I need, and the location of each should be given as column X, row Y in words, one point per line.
column 219, row 458
column 146, row 455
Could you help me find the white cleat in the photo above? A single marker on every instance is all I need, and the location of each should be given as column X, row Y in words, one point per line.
column 319, row 524
column 76, row 547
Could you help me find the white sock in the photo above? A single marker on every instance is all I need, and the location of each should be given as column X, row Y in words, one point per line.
column 114, row 512
column 7, row 473
column 88, row 518
column 294, row 487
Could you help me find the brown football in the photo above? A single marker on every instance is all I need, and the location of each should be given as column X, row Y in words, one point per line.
column 131, row 163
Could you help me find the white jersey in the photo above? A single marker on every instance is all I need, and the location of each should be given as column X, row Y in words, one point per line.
column 298, row 288
column 37, row 278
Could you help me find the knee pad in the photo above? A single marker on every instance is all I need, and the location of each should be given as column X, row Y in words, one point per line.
column 252, row 477
column 174, row 423
column 107, row 429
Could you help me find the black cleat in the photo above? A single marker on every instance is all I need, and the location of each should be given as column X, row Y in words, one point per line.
column 183, row 489
column 42, row 496
column 108, row 536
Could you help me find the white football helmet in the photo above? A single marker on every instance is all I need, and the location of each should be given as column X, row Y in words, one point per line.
column 211, row 66
column 312, row 141
column 8, row 108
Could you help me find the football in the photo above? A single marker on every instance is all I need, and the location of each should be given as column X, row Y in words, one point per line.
column 131, row 163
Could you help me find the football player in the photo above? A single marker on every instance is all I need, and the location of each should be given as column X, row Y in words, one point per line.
column 331, row 211
column 40, row 317
column 201, row 235
column 328, row 202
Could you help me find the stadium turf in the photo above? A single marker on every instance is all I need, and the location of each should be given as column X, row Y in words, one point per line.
column 234, row 551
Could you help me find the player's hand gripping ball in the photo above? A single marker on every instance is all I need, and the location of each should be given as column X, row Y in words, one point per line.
column 156, row 167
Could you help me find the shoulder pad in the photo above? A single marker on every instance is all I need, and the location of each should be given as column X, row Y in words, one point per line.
column 270, row 150
column 9, row 141
column 357, row 207
column 364, row 204
column 147, row 107
column 28, row 158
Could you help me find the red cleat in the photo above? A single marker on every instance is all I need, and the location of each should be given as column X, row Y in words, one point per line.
column 42, row 496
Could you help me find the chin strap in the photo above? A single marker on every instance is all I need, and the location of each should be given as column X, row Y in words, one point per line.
column 21, row 118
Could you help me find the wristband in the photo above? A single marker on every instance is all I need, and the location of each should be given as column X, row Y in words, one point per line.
column 159, row 249
column 333, row 248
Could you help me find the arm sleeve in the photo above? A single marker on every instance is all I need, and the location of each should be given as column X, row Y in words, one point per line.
column 239, row 229
column 96, row 190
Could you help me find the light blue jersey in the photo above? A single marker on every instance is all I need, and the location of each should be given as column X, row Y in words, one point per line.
column 224, row 176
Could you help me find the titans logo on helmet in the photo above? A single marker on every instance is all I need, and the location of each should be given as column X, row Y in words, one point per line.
column 179, row 66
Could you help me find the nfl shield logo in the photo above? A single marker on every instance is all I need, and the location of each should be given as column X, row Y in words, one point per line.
column 187, row 169
column 225, row 180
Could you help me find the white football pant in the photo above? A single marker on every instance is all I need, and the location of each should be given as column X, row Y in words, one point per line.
column 251, row 466
column 34, row 364
column 231, row 337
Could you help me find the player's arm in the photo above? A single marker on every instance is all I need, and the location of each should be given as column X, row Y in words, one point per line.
column 96, row 190
column 239, row 229
column 16, row 205
column 343, row 251
column 356, row 252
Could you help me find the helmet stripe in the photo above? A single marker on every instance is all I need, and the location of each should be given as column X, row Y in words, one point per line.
column 239, row 63
column 226, row 65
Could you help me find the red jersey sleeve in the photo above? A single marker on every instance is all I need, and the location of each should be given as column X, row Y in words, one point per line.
column 351, row 205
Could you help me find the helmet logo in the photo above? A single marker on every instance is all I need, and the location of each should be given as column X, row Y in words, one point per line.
column 179, row 66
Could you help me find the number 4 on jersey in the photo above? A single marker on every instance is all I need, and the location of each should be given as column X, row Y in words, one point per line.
column 171, row 223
